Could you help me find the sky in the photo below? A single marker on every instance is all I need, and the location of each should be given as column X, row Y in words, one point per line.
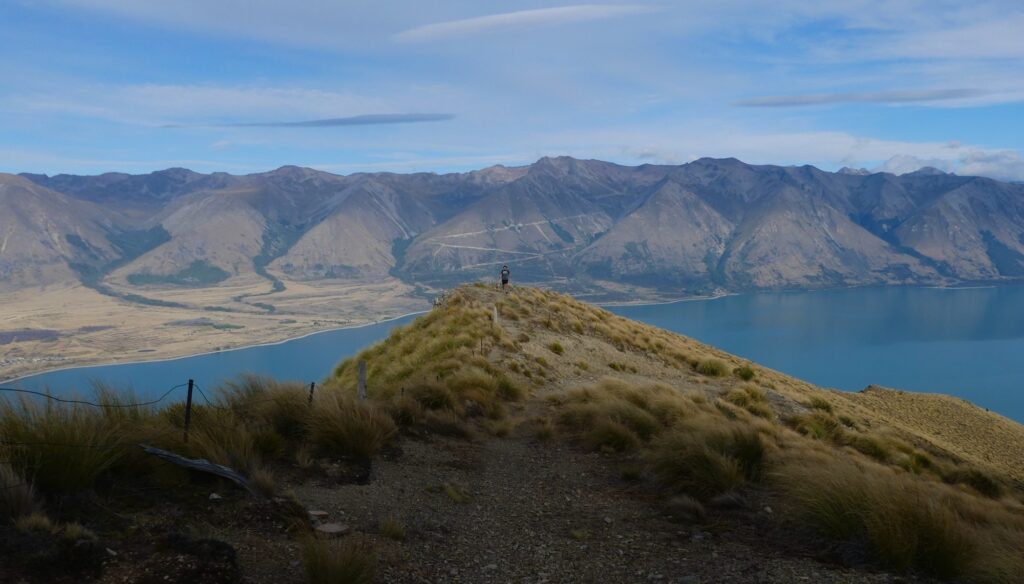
column 240, row 86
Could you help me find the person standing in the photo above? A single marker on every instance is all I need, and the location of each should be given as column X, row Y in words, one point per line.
column 505, row 273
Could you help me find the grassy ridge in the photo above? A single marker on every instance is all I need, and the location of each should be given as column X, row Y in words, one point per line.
column 699, row 426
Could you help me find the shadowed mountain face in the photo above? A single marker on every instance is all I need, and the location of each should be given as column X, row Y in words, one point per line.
column 578, row 224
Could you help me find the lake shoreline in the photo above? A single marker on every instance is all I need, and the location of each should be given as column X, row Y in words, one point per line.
column 202, row 353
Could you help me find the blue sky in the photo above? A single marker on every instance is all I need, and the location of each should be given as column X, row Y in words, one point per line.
column 135, row 85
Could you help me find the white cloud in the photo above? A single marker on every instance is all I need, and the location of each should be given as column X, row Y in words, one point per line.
column 518, row 19
column 152, row 104
column 885, row 97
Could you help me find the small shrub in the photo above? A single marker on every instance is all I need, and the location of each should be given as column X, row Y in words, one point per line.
column 712, row 368
column 615, row 366
column 344, row 426
column 556, row 348
column 745, row 373
column 353, row 561
column 583, row 365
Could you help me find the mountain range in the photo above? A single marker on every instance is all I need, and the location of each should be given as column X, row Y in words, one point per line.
column 709, row 225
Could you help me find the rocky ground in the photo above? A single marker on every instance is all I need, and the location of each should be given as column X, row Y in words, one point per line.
column 515, row 510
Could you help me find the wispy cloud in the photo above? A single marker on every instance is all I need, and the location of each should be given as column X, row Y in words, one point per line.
column 362, row 120
column 517, row 19
column 891, row 97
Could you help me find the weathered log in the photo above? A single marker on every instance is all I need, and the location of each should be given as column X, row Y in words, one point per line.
column 203, row 465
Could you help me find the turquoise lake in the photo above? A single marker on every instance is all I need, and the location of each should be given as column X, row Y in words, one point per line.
column 967, row 342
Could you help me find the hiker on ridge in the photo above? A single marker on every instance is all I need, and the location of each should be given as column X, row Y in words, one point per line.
column 504, row 277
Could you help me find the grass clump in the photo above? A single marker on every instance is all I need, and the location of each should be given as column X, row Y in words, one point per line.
column 352, row 561
column 16, row 497
column 712, row 368
column 904, row 523
column 745, row 373
column 343, row 426
column 556, row 348
column 976, row 479
column 455, row 493
column 705, row 457
column 392, row 528
column 63, row 449
column 820, row 403
column 751, row 398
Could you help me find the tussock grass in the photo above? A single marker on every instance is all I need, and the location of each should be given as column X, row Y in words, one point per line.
column 342, row 426
column 556, row 348
column 63, row 448
column 703, row 457
column 392, row 528
column 820, row 403
column 712, row 368
column 351, row 561
column 744, row 372
column 903, row 523
column 35, row 522
column 751, row 398
column 16, row 497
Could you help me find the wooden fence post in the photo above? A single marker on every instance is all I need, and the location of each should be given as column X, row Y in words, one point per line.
column 362, row 380
column 188, row 408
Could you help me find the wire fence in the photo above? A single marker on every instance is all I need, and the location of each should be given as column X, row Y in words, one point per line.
column 190, row 408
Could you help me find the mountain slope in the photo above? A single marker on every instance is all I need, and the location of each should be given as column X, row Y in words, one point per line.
column 47, row 237
column 929, row 487
column 580, row 225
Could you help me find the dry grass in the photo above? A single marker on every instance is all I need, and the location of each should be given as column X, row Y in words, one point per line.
column 16, row 497
column 903, row 523
column 712, row 368
column 352, row 561
column 63, row 449
column 704, row 457
column 343, row 426
column 392, row 528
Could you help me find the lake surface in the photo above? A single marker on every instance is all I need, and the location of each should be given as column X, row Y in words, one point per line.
column 967, row 342
column 964, row 342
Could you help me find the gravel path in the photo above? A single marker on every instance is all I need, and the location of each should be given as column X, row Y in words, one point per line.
column 537, row 513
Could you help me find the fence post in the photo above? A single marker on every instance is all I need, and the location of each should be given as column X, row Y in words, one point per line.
column 312, row 386
column 362, row 380
column 188, row 408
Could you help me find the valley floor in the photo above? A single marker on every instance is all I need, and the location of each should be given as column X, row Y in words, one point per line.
column 83, row 327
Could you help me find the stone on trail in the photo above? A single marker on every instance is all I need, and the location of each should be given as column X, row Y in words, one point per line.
column 332, row 530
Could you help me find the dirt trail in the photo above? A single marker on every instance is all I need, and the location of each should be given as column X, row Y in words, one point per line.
column 544, row 513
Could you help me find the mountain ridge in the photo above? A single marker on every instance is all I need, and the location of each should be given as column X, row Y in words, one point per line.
column 705, row 226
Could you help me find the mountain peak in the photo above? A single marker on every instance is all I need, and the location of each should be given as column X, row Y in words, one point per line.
column 854, row 171
column 927, row 171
